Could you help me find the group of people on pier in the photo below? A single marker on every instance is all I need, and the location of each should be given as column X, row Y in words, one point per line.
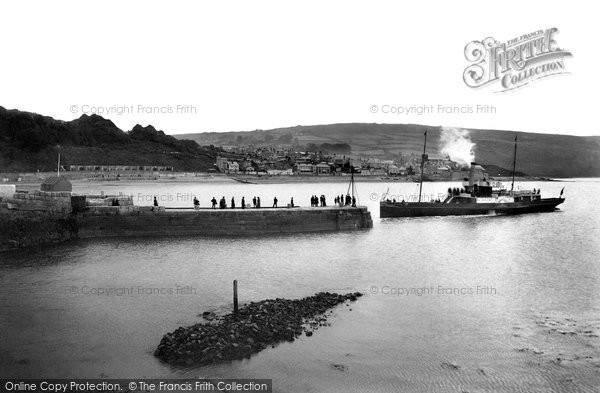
column 223, row 203
column 340, row 201
column 315, row 201
column 345, row 201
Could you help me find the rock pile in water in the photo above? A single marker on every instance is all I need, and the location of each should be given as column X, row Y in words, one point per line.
column 256, row 326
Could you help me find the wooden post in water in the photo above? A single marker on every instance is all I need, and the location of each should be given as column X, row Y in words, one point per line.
column 235, row 298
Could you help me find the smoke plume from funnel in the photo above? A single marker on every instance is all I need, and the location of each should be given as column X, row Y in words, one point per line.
column 456, row 143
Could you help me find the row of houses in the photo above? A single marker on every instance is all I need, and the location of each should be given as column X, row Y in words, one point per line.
column 119, row 168
column 253, row 167
column 311, row 163
column 270, row 152
column 301, row 164
column 313, row 169
column 281, row 167
column 271, row 172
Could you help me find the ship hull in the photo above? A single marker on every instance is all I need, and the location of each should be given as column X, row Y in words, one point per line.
column 424, row 209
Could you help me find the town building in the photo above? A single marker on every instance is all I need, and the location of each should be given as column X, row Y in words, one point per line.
column 233, row 167
column 393, row 170
column 305, row 169
column 322, row 169
column 222, row 164
column 119, row 168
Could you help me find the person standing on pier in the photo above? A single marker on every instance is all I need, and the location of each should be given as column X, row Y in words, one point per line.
column 292, row 202
column 222, row 203
column 155, row 202
column 214, row 202
column 275, row 202
column 353, row 201
column 233, row 202
column 258, row 202
column 243, row 203
column 196, row 203
column 254, row 202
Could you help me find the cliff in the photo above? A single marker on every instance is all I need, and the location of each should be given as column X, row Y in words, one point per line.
column 30, row 142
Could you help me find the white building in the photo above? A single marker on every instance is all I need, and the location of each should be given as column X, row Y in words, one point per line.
column 393, row 170
column 222, row 164
column 304, row 169
column 280, row 172
column 233, row 167
column 322, row 169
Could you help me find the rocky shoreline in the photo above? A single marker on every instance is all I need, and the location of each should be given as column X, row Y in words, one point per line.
column 256, row 326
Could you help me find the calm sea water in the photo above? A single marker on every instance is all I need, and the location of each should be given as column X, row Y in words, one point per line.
column 486, row 303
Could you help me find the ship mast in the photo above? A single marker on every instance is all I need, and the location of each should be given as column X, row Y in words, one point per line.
column 422, row 165
column 352, row 185
column 512, row 186
column 352, row 180
column 58, row 163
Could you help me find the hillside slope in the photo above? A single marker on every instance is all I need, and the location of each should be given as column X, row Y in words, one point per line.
column 538, row 154
column 30, row 142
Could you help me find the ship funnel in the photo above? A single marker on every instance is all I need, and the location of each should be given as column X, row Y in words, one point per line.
column 476, row 174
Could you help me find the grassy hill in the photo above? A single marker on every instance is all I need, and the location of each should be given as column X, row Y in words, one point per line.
column 538, row 154
column 29, row 142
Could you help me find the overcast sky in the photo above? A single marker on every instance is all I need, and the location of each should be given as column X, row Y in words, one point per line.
column 260, row 64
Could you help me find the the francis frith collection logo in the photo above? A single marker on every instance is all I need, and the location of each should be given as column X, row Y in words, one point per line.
column 516, row 62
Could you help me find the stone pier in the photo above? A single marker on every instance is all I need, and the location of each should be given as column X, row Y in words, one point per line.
column 141, row 221
column 20, row 228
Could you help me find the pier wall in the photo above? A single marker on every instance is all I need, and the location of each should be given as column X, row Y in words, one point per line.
column 20, row 229
column 41, row 201
column 123, row 222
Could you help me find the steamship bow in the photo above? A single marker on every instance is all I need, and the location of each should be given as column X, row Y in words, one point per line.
column 479, row 196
